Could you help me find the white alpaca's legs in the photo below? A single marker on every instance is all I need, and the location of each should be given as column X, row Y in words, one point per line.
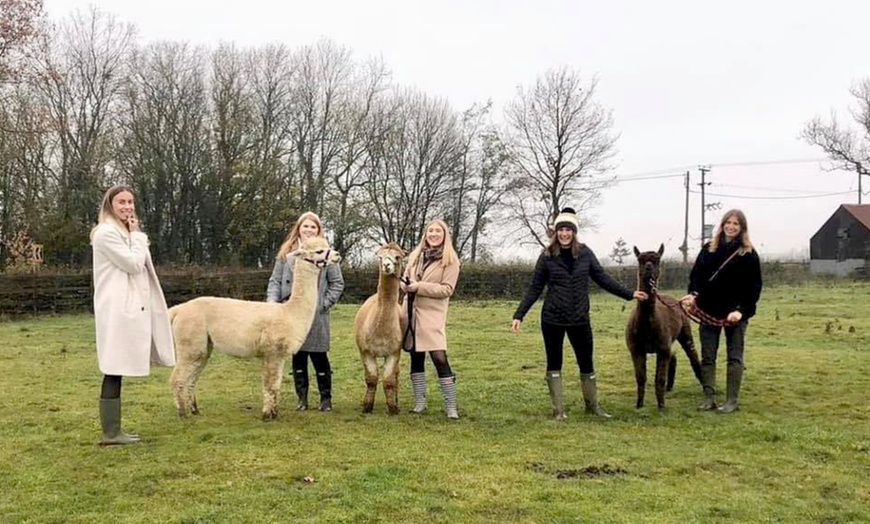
column 391, row 382
column 273, row 372
column 191, row 357
column 370, row 366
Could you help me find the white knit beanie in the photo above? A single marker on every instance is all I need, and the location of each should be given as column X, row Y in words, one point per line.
column 567, row 217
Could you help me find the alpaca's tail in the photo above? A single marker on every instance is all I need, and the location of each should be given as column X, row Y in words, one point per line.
column 173, row 312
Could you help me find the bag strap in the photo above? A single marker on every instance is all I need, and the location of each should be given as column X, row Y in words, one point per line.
column 723, row 265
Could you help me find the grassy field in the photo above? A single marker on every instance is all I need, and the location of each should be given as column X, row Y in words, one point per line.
column 798, row 451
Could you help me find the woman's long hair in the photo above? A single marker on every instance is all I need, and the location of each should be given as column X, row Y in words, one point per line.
column 554, row 247
column 742, row 237
column 448, row 254
column 107, row 213
column 290, row 243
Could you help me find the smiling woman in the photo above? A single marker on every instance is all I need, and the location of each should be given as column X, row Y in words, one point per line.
column 565, row 268
column 130, row 311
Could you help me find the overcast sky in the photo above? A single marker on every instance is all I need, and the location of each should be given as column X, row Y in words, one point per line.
column 727, row 84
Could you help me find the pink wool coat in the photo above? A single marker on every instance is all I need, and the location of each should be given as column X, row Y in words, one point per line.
column 430, row 306
column 130, row 311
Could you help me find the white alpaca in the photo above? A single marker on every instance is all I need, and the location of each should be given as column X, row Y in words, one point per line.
column 378, row 329
column 247, row 329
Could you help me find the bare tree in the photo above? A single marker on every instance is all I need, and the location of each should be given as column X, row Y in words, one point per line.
column 560, row 143
column 79, row 78
column 322, row 85
column 163, row 145
column 364, row 122
column 414, row 167
column 268, row 197
column 480, row 183
column 846, row 148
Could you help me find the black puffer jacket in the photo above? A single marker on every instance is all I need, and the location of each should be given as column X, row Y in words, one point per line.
column 567, row 300
column 737, row 287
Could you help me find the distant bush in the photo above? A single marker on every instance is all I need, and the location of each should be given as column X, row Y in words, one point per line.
column 69, row 290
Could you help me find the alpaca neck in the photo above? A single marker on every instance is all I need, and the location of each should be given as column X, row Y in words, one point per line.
column 388, row 299
column 648, row 286
column 304, row 290
column 388, row 290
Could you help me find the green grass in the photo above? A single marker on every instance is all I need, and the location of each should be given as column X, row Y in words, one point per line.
column 798, row 451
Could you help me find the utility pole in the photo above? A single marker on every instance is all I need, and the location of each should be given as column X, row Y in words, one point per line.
column 703, row 184
column 861, row 172
column 684, row 249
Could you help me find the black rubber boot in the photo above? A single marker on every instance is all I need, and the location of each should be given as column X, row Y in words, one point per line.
column 300, row 381
column 110, row 420
column 324, row 385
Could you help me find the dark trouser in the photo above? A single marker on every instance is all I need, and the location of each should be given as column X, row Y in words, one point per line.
column 111, row 387
column 320, row 361
column 321, row 367
column 439, row 359
column 581, row 340
column 734, row 336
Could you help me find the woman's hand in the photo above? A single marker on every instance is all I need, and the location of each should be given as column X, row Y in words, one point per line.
column 412, row 287
column 640, row 296
column 132, row 223
column 515, row 326
column 734, row 317
column 688, row 300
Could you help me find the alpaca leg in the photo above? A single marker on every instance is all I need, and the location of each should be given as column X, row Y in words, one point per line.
column 688, row 344
column 672, row 372
column 639, row 377
column 391, row 383
column 663, row 361
column 370, row 366
column 190, row 364
column 273, row 372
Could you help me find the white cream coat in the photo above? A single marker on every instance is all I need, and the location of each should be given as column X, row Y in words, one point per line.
column 130, row 310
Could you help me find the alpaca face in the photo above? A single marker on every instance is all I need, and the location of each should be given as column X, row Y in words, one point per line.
column 391, row 258
column 317, row 251
column 649, row 267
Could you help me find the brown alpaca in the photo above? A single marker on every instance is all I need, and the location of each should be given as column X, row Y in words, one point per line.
column 378, row 327
column 652, row 328
column 248, row 329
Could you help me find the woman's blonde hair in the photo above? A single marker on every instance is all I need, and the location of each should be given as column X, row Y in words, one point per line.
column 290, row 243
column 448, row 254
column 743, row 236
column 107, row 213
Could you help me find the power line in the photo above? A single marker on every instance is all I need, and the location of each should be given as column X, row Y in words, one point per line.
column 771, row 162
column 798, row 197
column 650, row 177
column 669, row 172
column 768, row 188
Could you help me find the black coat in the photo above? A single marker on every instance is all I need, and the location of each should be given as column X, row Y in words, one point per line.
column 567, row 300
column 737, row 287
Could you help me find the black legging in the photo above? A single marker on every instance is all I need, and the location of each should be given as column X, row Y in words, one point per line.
column 581, row 340
column 111, row 387
column 439, row 358
column 320, row 361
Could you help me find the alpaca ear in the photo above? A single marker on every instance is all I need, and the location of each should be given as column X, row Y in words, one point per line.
column 294, row 253
column 661, row 249
column 636, row 251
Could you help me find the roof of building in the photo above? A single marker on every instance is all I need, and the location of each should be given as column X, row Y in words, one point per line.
column 860, row 212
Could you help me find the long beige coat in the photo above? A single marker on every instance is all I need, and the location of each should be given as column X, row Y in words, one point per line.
column 430, row 306
column 129, row 308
